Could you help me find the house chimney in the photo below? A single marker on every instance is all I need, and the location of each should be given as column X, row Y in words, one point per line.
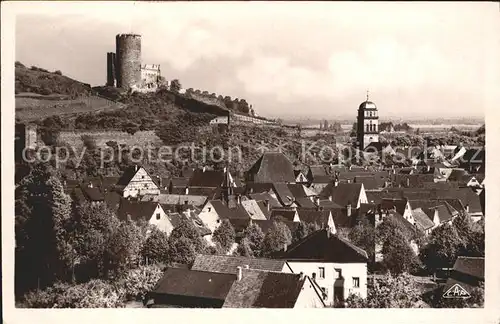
column 91, row 185
column 186, row 192
column 240, row 273
column 301, row 275
column 467, row 208
column 225, row 170
column 268, row 205
column 336, row 182
column 204, row 168
column 348, row 180
column 136, row 167
column 407, row 182
column 247, row 266
column 330, row 198
column 316, row 201
column 238, row 199
column 349, row 209
column 284, row 247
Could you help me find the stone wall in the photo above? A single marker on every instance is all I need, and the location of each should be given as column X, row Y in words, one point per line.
column 140, row 138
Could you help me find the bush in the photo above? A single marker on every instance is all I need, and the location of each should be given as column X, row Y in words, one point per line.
column 58, row 72
column 138, row 282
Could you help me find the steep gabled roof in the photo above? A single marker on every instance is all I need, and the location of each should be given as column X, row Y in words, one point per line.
column 191, row 283
column 311, row 216
column 297, row 190
column 229, row 213
column 253, row 209
column 272, row 167
column 230, row 264
column 266, row 196
column 93, row 193
column 472, row 266
column 136, row 209
column 264, row 289
column 207, row 178
column 287, row 214
column 394, row 203
column 344, row 193
column 179, row 182
column 466, row 195
column 128, row 175
column 283, row 193
column 369, row 182
column 321, row 246
column 422, row 220
column 305, row 203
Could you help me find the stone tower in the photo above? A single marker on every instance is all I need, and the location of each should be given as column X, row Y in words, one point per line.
column 128, row 60
column 368, row 130
column 111, row 71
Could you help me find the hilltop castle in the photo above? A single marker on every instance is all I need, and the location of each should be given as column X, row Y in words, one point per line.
column 125, row 69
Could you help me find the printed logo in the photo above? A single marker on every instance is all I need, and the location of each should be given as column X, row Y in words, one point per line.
column 456, row 291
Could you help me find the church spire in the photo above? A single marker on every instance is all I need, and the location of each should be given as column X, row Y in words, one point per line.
column 367, row 95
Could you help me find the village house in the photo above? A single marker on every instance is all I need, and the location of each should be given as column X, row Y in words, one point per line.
column 300, row 177
column 290, row 215
column 136, row 181
column 248, row 288
column 271, row 167
column 151, row 212
column 346, row 194
column 335, row 264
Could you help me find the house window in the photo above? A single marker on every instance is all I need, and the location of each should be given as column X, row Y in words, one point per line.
column 157, row 215
column 209, row 209
column 355, row 282
column 314, row 275
column 142, row 177
column 322, row 272
column 339, row 273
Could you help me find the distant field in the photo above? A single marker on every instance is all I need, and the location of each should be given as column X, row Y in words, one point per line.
column 33, row 106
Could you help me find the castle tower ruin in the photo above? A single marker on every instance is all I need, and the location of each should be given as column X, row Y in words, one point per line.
column 111, row 71
column 128, row 60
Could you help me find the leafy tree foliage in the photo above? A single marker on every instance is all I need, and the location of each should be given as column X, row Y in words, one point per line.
column 175, row 86
column 443, row 248
column 276, row 238
column 300, row 232
column 224, row 235
column 251, row 243
column 388, row 292
column 92, row 230
column 123, row 250
column 363, row 236
column 244, row 248
column 184, row 242
column 156, row 247
column 398, row 255
column 42, row 214
column 138, row 282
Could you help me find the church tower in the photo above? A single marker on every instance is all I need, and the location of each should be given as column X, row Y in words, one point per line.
column 367, row 123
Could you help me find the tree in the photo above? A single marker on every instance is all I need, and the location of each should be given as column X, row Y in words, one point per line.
column 398, row 255
column 42, row 217
column 442, row 249
column 184, row 242
column 91, row 233
column 156, row 247
column 181, row 250
column 244, row 248
column 175, row 86
column 123, row 250
column 363, row 236
column 300, row 232
column 471, row 234
column 388, row 292
column 254, row 236
column 276, row 239
column 138, row 282
column 224, row 235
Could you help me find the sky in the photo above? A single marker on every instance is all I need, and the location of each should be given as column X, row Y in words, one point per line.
column 316, row 60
